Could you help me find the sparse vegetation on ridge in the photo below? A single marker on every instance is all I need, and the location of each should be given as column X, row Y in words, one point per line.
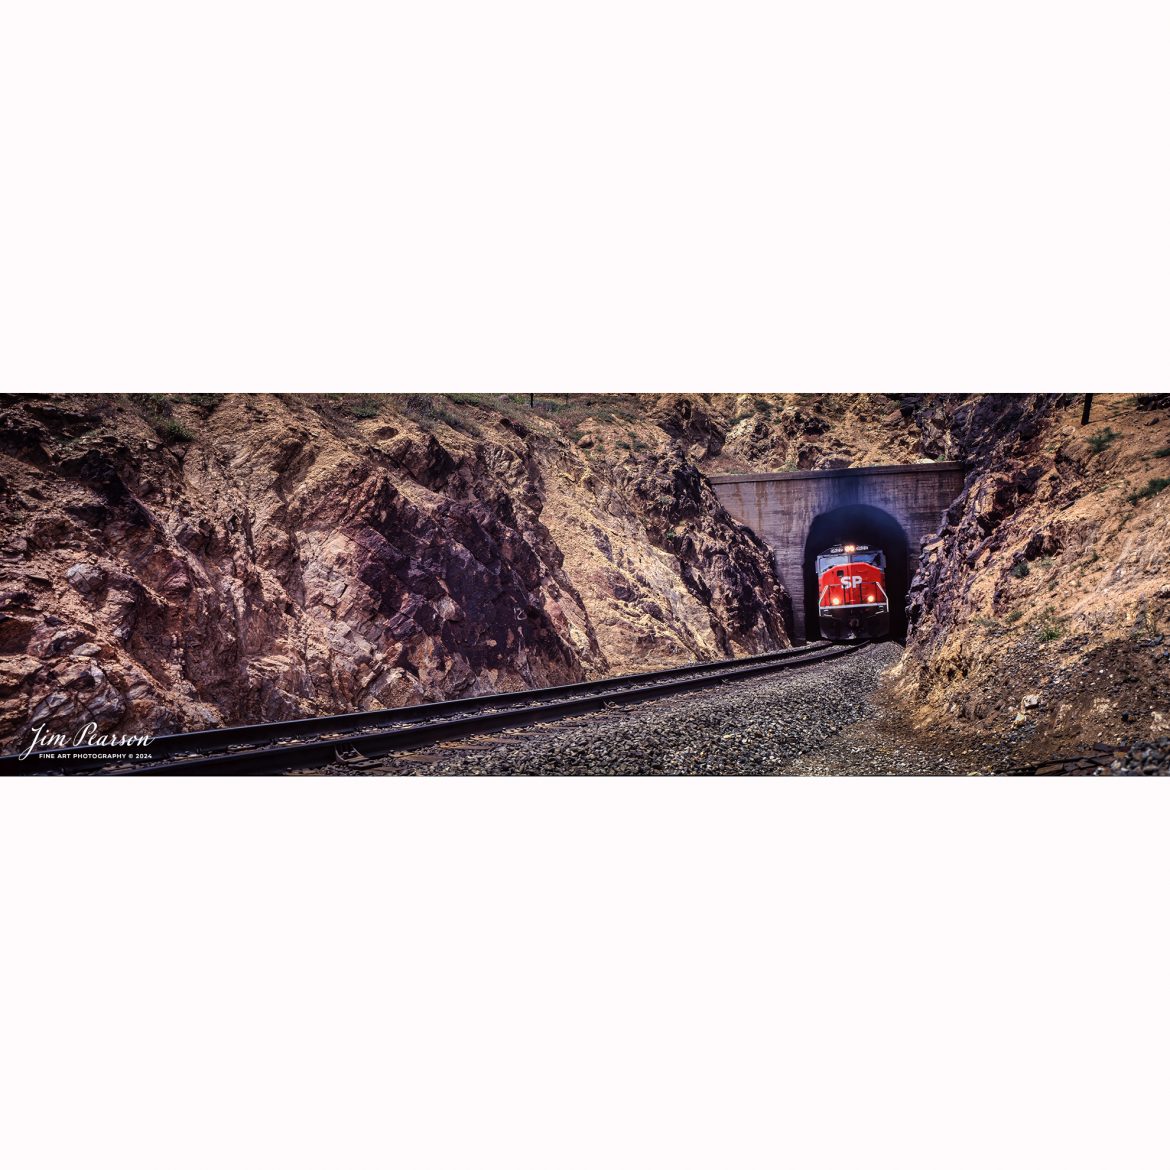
column 173, row 431
column 361, row 405
column 157, row 409
column 1102, row 439
column 1155, row 486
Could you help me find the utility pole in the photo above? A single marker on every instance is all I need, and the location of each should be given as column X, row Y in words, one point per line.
column 532, row 401
column 1085, row 412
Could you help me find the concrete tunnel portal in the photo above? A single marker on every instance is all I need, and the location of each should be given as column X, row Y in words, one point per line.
column 799, row 514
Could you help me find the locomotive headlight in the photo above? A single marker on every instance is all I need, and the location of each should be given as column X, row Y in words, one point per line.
column 870, row 597
column 836, row 601
column 851, row 548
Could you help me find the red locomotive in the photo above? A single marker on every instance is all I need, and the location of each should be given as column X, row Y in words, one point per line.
column 852, row 598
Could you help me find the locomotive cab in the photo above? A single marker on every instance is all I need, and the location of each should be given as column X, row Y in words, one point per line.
column 852, row 599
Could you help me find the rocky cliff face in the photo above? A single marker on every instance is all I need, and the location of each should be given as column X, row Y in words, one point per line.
column 190, row 561
column 1039, row 613
column 726, row 433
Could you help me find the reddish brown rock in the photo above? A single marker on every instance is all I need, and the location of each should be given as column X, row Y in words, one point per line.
column 180, row 562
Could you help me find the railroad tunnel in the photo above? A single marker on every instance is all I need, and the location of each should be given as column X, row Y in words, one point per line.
column 799, row 513
column 858, row 524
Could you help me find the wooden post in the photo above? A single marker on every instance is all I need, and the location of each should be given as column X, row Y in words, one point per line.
column 532, row 401
column 1085, row 412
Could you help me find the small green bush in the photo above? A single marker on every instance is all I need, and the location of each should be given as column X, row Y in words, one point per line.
column 156, row 409
column 173, row 431
column 358, row 405
column 1049, row 629
column 1162, row 453
column 433, row 408
column 1014, row 616
column 1151, row 489
column 1102, row 439
column 501, row 403
column 1020, row 569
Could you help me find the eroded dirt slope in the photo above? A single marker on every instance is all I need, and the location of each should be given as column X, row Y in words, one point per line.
column 1039, row 614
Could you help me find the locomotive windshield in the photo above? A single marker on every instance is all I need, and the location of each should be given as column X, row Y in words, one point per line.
column 850, row 555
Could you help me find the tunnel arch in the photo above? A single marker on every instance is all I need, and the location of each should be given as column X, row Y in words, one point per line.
column 858, row 524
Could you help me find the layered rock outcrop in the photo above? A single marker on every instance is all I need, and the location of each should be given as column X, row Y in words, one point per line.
column 191, row 561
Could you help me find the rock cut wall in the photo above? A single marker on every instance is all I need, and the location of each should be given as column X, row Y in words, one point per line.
column 183, row 562
column 1039, row 612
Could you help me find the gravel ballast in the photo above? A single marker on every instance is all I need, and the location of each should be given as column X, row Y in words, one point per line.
column 831, row 719
column 774, row 725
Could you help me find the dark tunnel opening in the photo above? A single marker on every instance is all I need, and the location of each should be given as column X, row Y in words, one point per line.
column 858, row 524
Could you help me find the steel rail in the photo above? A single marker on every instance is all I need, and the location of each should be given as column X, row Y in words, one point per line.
column 279, row 759
column 82, row 759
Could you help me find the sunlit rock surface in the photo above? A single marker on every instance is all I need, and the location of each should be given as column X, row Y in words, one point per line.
column 181, row 562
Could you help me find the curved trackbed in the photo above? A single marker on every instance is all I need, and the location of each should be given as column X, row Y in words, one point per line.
column 274, row 748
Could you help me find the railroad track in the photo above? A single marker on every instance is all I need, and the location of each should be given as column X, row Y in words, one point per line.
column 1086, row 764
column 277, row 748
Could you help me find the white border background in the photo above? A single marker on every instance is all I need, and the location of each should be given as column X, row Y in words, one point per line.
column 633, row 196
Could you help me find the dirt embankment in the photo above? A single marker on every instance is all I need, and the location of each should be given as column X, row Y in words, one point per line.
column 182, row 562
column 1039, row 614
